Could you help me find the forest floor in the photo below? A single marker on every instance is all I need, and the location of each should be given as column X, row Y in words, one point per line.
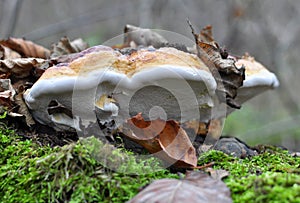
column 31, row 172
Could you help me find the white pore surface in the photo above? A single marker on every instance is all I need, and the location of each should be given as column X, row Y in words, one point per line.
column 180, row 91
column 256, row 84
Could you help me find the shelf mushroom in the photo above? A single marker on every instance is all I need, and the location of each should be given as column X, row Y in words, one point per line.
column 104, row 84
column 257, row 79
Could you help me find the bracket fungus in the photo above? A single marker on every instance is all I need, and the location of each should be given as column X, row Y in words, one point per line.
column 257, row 79
column 105, row 85
column 116, row 86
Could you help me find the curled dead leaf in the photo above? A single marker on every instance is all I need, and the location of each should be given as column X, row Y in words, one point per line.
column 195, row 187
column 7, row 53
column 22, row 107
column 22, row 67
column 65, row 46
column 215, row 128
column 26, row 48
column 13, row 102
column 217, row 174
column 136, row 36
column 229, row 78
column 7, row 93
column 206, row 34
column 166, row 139
column 79, row 45
column 196, row 127
column 2, row 52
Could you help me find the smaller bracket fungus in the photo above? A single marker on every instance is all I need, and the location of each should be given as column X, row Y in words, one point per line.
column 257, row 79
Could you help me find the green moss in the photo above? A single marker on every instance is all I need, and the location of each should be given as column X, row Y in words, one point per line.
column 74, row 173
column 273, row 176
column 81, row 172
column 267, row 187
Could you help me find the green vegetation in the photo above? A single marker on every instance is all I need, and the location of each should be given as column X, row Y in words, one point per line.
column 30, row 173
column 76, row 173
column 272, row 176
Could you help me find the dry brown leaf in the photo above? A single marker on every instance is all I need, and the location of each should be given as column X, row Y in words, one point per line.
column 165, row 138
column 7, row 53
column 22, row 67
column 206, row 34
column 198, row 128
column 229, row 78
column 217, row 174
column 14, row 115
column 214, row 131
column 26, row 48
column 195, row 187
column 79, row 45
column 215, row 128
column 7, row 93
column 23, row 109
column 2, row 52
column 136, row 36
column 65, row 46
column 14, row 102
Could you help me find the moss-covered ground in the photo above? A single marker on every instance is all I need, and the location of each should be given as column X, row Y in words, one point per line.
column 272, row 176
column 33, row 173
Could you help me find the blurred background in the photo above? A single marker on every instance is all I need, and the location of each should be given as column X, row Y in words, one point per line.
column 268, row 30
